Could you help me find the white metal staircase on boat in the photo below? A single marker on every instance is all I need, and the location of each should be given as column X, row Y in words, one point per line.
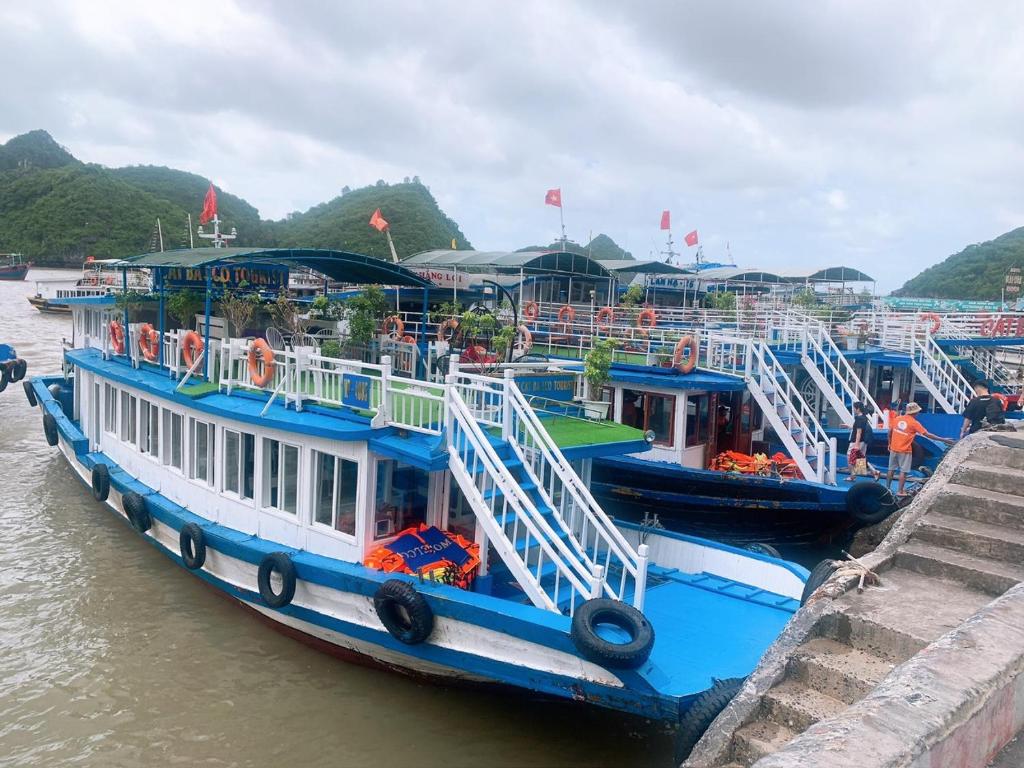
column 929, row 363
column 783, row 406
column 983, row 359
column 530, row 505
column 825, row 363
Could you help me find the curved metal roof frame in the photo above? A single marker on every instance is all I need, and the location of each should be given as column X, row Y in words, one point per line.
column 644, row 266
column 337, row 265
column 741, row 275
column 511, row 262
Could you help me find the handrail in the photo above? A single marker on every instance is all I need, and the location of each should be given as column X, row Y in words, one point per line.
column 633, row 562
column 582, row 581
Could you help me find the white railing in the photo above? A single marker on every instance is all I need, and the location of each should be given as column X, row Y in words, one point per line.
column 512, row 523
column 983, row 358
column 940, row 375
column 576, row 510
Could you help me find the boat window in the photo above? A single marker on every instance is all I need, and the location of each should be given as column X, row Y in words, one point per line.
column 173, row 427
column 149, row 427
column 334, row 492
column 129, row 412
column 697, row 420
column 202, row 451
column 660, row 412
column 280, row 475
column 109, row 409
column 650, row 411
column 401, row 500
column 239, row 462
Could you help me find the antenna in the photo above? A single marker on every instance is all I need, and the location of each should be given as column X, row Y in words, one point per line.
column 218, row 238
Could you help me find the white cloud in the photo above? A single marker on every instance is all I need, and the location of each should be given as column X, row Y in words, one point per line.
column 866, row 132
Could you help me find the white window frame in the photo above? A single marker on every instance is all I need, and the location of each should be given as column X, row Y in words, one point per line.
column 264, row 464
column 129, row 421
column 225, row 471
column 145, row 429
column 167, row 417
column 314, row 484
column 110, row 398
column 211, row 454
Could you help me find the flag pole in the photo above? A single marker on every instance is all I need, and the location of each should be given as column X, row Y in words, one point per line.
column 561, row 220
column 191, row 241
column 160, row 233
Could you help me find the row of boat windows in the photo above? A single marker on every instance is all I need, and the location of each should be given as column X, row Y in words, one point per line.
column 657, row 413
column 162, row 433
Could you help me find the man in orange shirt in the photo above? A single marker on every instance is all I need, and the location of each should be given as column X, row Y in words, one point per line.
column 902, row 431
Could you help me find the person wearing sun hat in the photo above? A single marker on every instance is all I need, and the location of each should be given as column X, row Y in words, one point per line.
column 902, row 431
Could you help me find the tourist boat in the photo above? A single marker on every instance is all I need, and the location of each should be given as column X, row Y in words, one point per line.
column 99, row 278
column 15, row 266
column 441, row 529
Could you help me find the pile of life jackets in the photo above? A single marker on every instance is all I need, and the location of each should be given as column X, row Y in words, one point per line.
column 759, row 464
column 430, row 553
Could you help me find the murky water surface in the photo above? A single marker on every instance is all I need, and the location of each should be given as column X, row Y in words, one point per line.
column 111, row 655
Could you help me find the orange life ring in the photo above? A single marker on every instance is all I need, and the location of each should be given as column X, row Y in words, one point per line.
column 149, row 341
column 393, row 326
column 527, row 338
column 936, row 321
column 690, row 362
column 266, row 357
column 649, row 315
column 407, row 339
column 566, row 314
column 530, row 311
column 191, row 348
column 117, row 336
column 605, row 318
column 451, row 323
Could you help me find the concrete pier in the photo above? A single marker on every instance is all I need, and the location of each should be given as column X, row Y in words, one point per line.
column 921, row 670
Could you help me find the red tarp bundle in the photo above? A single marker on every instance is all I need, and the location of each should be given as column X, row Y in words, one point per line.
column 758, row 464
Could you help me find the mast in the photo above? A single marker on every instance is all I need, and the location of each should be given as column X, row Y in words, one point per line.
column 219, row 239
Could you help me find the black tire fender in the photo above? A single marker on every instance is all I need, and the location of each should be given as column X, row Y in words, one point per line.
column 403, row 611
column 592, row 646
column 192, row 543
column 764, row 549
column 100, row 482
column 5, row 376
column 18, row 370
column 50, row 429
column 134, row 506
column 869, row 503
column 285, row 568
column 30, row 393
column 821, row 573
column 701, row 713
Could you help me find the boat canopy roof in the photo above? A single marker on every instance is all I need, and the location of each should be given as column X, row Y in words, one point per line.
column 742, row 275
column 835, row 274
column 645, row 266
column 511, row 262
column 338, row 265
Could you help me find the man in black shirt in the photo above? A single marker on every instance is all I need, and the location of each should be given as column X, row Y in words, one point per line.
column 981, row 406
column 860, row 438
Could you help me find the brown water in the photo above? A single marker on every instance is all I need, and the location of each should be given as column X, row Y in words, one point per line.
column 111, row 655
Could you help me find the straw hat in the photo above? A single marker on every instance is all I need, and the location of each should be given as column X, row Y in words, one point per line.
column 913, row 408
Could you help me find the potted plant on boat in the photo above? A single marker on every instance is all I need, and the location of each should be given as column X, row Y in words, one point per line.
column 597, row 367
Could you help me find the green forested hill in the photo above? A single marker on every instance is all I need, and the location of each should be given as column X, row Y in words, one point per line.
column 55, row 209
column 602, row 248
column 977, row 272
column 417, row 224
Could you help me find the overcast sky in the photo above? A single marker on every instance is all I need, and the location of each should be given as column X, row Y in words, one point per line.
column 876, row 134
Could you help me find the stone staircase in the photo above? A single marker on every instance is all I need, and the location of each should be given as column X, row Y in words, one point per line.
column 956, row 555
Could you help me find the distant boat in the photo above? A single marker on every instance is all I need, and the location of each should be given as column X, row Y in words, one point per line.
column 99, row 278
column 15, row 267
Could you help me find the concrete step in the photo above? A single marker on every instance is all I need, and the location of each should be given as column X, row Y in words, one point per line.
column 872, row 637
column 838, row 671
column 997, row 542
column 979, row 504
column 1010, row 454
column 989, row 478
column 907, row 606
column 757, row 739
column 991, row 576
column 797, row 706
